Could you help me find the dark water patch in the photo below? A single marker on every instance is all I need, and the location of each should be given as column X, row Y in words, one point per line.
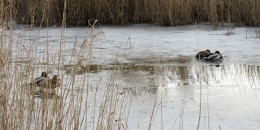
column 136, row 79
column 74, row 69
column 225, row 76
column 22, row 61
column 94, row 68
column 131, row 67
column 100, row 48
column 229, row 33
column 137, row 91
column 180, row 59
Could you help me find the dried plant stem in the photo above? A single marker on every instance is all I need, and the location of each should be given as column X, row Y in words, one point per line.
column 160, row 12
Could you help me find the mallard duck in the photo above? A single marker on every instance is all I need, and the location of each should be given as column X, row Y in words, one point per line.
column 214, row 57
column 45, row 82
column 202, row 54
column 55, row 82
column 38, row 81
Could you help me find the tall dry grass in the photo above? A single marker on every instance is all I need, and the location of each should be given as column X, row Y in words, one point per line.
column 74, row 108
column 24, row 108
column 160, row 12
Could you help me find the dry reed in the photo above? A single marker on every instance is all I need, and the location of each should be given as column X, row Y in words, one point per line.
column 71, row 109
column 160, row 12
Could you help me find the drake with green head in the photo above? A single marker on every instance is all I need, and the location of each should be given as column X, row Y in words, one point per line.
column 38, row 81
column 214, row 57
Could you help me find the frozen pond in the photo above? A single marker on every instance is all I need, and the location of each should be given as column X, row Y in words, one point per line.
column 150, row 73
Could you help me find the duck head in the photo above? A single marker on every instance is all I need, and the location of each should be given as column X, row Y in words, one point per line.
column 55, row 81
column 55, row 78
column 208, row 50
column 44, row 74
column 217, row 52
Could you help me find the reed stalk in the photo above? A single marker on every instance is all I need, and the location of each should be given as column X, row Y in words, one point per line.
column 118, row 12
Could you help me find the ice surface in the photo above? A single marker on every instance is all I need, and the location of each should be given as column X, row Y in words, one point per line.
column 170, row 86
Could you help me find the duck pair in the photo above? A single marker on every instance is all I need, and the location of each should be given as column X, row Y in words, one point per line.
column 45, row 82
column 209, row 57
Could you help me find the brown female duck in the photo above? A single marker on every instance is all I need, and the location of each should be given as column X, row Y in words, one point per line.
column 202, row 54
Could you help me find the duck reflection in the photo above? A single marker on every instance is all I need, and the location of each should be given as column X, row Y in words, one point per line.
column 138, row 82
column 46, row 95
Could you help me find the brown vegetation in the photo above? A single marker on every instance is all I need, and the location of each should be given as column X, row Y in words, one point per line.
column 159, row 12
column 80, row 105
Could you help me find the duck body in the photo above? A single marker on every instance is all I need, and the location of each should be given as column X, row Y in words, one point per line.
column 202, row 55
column 40, row 81
column 214, row 57
column 208, row 57
column 55, row 82
column 45, row 82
